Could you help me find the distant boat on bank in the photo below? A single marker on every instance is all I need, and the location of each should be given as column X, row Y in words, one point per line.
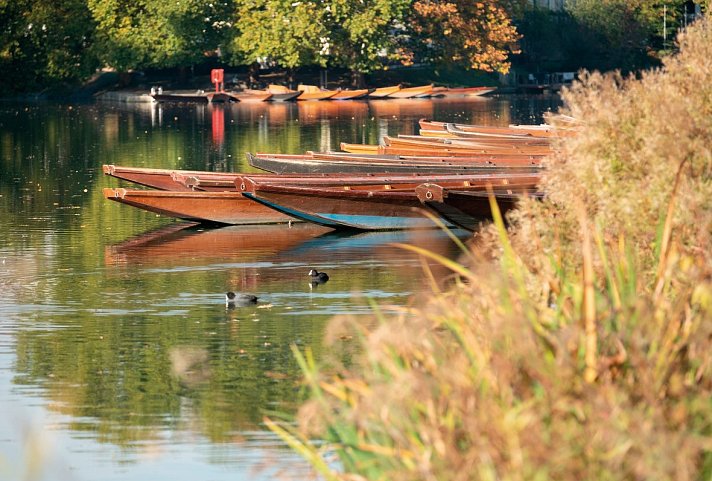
column 411, row 92
column 279, row 93
column 194, row 97
column 350, row 94
column 312, row 92
column 383, row 92
column 250, row 95
column 461, row 91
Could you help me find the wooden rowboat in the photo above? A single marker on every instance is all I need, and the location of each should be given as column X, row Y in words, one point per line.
column 174, row 180
column 219, row 97
column 434, row 143
column 389, row 182
column 522, row 134
column 154, row 178
column 227, row 208
column 475, row 140
column 312, row 92
column 281, row 93
column 297, row 164
column 191, row 180
column 250, row 95
column 382, row 207
column 180, row 97
column 469, row 208
column 513, row 160
column 530, row 130
column 349, row 94
column 161, row 179
column 384, row 91
column 412, row 92
column 466, row 91
column 442, row 150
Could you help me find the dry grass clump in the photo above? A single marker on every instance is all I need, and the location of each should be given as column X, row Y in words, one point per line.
column 580, row 348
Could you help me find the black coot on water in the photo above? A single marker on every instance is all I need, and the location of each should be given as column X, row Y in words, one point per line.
column 233, row 299
column 318, row 277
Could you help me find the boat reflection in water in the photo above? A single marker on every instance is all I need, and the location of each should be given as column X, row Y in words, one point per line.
column 367, row 258
column 188, row 243
column 357, row 261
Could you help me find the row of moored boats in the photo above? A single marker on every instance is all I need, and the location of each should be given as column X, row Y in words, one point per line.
column 279, row 93
column 451, row 170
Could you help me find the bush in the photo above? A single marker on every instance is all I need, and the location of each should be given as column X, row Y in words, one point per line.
column 577, row 345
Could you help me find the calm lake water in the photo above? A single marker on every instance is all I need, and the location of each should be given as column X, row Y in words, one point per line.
column 118, row 357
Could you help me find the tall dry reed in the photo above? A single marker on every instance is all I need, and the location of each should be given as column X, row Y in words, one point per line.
column 577, row 345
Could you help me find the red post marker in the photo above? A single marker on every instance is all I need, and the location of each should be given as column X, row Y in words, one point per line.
column 217, row 76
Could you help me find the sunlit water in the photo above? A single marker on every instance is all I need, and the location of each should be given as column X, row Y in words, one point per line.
column 118, row 356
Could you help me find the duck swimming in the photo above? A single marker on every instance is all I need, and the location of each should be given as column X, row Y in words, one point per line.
column 318, row 277
column 233, row 299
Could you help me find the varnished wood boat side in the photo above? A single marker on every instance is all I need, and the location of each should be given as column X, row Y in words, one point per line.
column 216, row 207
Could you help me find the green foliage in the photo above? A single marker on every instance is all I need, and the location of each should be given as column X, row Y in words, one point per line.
column 599, row 35
column 140, row 34
column 624, row 31
column 289, row 33
column 337, row 32
column 44, row 42
column 362, row 31
column 578, row 344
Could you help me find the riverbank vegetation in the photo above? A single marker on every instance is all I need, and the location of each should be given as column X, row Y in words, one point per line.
column 47, row 43
column 577, row 342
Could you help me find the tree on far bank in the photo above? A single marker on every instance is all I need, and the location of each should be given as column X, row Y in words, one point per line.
column 368, row 35
column 337, row 33
column 629, row 33
column 475, row 34
column 288, row 34
column 43, row 42
column 364, row 34
column 134, row 34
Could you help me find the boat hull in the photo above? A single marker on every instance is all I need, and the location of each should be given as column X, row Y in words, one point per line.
column 278, row 165
column 383, row 92
column 180, row 98
column 218, row 97
column 348, row 213
column 386, row 204
column 350, row 94
column 167, row 179
column 467, row 91
column 316, row 95
column 228, row 208
column 251, row 96
column 285, row 97
column 412, row 92
column 154, row 178
column 312, row 92
column 468, row 209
